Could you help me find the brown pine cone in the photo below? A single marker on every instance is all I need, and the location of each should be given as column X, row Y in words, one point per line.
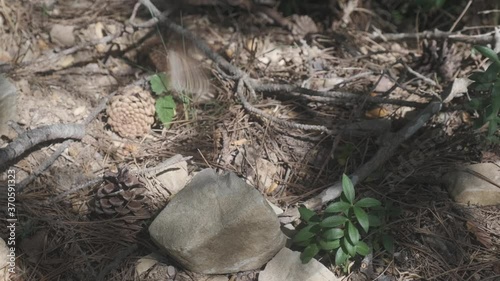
column 122, row 195
column 132, row 112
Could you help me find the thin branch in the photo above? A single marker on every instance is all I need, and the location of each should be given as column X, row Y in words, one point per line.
column 461, row 16
column 482, row 39
column 250, row 108
column 162, row 166
column 334, row 97
column 79, row 187
column 44, row 166
column 418, row 75
column 36, row 136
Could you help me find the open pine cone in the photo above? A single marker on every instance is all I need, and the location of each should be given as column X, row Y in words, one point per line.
column 132, row 112
column 122, row 195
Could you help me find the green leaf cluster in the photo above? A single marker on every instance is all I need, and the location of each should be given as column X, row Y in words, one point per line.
column 165, row 105
column 488, row 104
column 339, row 229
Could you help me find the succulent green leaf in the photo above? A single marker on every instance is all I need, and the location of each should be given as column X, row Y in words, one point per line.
column 329, row 245
column 348, row 188
column 306, row 214
column 309, row 253
column 337, row 207
column 304, row 243
column 475, row 103
column 491, row 73
column 306, row 233
column 165, row 109
column 332, row 234
column 333, row 221
column 478, row 77
column 388, row 243
column 489, row 53
column 348, row 247
column 495, row 97
column 159, row 83
column 362, row 248
column 482, row 87
column 368, row 203
column 352, row 233
column 341, row 256
column 362, row 218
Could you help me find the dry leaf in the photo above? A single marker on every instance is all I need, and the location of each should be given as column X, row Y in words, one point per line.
column 239, row 142
column 378, row 112
column 271, row 188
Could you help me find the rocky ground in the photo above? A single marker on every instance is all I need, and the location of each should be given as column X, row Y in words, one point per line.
column 288, row 96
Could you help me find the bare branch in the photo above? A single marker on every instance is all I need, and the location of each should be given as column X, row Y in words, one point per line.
column 36, row 136
column 487, row 38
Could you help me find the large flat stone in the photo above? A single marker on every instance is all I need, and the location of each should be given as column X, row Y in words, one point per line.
column 218, row 224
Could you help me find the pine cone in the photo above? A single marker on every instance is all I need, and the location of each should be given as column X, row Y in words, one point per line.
column 131, row 113
column 122, row 195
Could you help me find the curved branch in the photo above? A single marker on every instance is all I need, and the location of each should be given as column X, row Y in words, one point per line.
column 36, row 136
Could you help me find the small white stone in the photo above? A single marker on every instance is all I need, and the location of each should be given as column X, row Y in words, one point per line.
column 62, row 35
column 79, row 110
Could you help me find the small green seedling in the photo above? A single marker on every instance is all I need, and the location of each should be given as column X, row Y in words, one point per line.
column 339, row 230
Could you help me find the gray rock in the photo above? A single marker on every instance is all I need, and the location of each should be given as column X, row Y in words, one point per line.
column 286, row 265
column 474, row 184
column 62, row 35
column 218, row 224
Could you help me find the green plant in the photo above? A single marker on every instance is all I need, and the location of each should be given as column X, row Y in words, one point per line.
column 165, row 104
column 338, row 231
column 487, row 104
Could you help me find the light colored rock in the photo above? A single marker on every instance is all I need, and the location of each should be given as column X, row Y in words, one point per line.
column 286, row 265
column 474, row 184
column 174, row 178
column 62, row 35
column 145, row 263
column 218, row 224
column 277, row 210
column 4, row 261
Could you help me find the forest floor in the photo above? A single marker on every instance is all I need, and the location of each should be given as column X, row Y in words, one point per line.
column 363, row 70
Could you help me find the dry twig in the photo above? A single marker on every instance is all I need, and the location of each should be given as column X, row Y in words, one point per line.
column 482, row 39
column 36, row 136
